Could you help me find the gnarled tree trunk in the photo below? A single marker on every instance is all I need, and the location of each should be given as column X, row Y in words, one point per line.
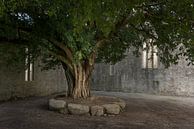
column 81, row 87
column 79, row 80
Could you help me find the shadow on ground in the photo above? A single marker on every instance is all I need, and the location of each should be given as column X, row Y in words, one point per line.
column 142, row 112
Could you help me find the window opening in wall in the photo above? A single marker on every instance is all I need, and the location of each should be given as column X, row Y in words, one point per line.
column 111, row 70
column 149, row 55
column 29, row 66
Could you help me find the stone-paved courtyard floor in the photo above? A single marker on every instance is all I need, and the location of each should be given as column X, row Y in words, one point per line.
column 142, row 112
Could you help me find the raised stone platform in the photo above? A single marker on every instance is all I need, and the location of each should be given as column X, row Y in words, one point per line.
column 94, row 106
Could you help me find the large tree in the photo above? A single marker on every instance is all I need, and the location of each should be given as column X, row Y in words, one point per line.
column 77, row 33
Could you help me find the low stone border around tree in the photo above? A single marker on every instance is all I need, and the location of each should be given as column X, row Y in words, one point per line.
column 94, row 106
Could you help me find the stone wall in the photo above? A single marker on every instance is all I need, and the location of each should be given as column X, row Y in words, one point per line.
column 129, row 76
column 13, row 84
column 126, row 76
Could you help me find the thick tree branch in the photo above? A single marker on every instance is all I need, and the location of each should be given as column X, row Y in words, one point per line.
column 63, row 59
column 121, row 23
column 63, row 47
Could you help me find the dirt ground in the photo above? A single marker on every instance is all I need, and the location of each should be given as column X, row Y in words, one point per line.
column 142, row 112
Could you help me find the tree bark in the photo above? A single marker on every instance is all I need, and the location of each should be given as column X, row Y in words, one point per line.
column 81, row 87
column 79, row 81
column 70, row 79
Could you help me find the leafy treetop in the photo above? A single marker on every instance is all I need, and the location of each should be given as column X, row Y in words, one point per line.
column 104, row 27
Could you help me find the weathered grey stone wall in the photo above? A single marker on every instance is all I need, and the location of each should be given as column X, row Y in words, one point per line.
column 176, row 80
column 129, row 76
column 13, row 84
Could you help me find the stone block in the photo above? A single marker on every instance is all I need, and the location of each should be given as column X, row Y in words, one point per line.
column 56, row 104
column 112, row 109
column 121, row 103
column 97, row 110
column 78, row 109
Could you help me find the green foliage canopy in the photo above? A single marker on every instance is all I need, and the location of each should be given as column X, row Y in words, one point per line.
column 104, row 27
